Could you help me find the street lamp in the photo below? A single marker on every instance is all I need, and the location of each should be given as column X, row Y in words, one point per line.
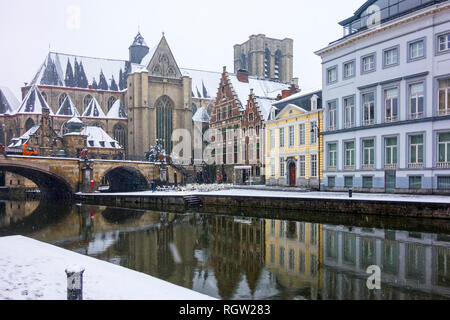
column 316, row 130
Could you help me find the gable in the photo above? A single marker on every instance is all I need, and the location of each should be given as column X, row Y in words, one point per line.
column 289, row 111
column 163, row 63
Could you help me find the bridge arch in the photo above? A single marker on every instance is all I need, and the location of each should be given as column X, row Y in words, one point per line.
column 52, row 186
column 126, row 179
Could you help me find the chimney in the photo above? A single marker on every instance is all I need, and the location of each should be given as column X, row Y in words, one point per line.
column 285, row 94
column 242, row 75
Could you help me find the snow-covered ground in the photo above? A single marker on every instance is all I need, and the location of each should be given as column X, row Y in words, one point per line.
column 33, row 270
column 286, row 194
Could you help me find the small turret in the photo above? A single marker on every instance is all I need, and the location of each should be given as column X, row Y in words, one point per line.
column 138, row 49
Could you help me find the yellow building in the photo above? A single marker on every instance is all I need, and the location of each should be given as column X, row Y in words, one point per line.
column 294, row 255
column 293, row 150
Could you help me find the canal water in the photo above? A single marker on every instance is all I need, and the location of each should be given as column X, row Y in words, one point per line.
column 230, row 257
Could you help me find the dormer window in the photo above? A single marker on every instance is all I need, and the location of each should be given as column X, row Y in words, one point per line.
column 102, row 144
column 314, row 102
column 113, row 144
column 91, row 143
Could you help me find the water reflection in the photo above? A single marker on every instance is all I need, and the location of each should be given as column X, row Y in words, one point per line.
column 246, row 258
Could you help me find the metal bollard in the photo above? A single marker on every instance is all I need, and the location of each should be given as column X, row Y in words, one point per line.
column 75, row 283
column 350, row 193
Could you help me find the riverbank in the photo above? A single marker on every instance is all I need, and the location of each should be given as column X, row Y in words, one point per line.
column 415, row 206
column 33, row 270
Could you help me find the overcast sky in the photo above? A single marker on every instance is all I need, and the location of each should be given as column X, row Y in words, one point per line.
column 201, row 33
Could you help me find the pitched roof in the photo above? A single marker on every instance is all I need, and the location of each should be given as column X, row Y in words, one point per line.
column 265, row 106
column 98, row 138
column 8, row 101
column 117, row 111
column 33, row 103
column 205, row 84
column 301, row 99
column 92, row 67
column 23, row 139
column 68, row 109
column 201, row 115
column 93, row 110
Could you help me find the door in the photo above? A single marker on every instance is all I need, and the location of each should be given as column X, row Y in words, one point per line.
column 390, row 178
column 292, row 174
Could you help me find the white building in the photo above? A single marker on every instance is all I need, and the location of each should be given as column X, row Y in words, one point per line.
column 386, row 95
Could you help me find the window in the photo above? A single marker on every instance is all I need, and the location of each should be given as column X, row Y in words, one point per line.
column 230, row 112
column 332, row 75
column 282, row 167
column 281, row 257
column 313, row 134
column 390, row 151
column 416, row 50
column 368, row 153
column 314, row 165
column 444, row 42
column 348, row 182
column 281, row 137
column 390, row 57
column 250, row 132
column 349, row 155
column 444, row 97
column 164, row 118
column 331, row 182
column 332, row 155
column 368, row 101
column 332, row 116
column 349, row 70
column 349, row 109
column 368, row 63
column 250, row 151
column 391, row 105
column 416, row 100
column 415, row 182
column 111, row 102
column 444, row 148
column 291, row 136
column 301, row 133
column 416, row 150
column 218, row 114
column 257, row 130
column 368, row 182
column 272, row 167
column 271, row 140
column 119, row 134
column 444, row 183
column 86, row 101
column 302, row 166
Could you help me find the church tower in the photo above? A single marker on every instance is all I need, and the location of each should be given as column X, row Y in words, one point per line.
column 138, row 49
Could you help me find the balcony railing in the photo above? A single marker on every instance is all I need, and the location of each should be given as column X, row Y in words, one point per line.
column 391, row 119
column 349, row 125
column 368, row 167
column 349, row 167
column 415, row 165
column 332, row 168
column 390, row 166
column 368, row 122
column 418, row 115
column 444, row 112
column 443, row 165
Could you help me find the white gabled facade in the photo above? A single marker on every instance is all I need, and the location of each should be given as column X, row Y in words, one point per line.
column 386, row 98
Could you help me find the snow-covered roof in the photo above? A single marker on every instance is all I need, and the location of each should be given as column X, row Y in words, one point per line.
column 91, row 66
column 139, row 41
column 261, row 88
column 201, row 116
column 94, row 110
column 33, row 103
column 300, row 94
column 74, row 120
column 8, row 101
column 265, row 106
column 205, row 84
column 117, row 111
column 23, row 139
column 98, row 138
column 67, row 109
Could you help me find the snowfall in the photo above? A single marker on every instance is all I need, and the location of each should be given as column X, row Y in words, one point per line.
column 33, row 270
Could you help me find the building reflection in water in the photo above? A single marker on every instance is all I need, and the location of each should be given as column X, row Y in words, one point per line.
column 250, row 258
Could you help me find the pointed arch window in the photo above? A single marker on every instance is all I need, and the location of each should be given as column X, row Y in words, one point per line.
column 164, row 125
column 29, row 124
column 267, row 64
column 61, row 99
column 277, row 64
column 111, row 101
column 119, row 134
column 86, row 101
column 44, row 95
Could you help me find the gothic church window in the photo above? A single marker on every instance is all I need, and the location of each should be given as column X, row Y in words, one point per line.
column 44, row 95
column 111, row 101
column 86, row 101
column 61, row 99
column 243, row 62
column 164, row 126
column 119, row 134
column 267, row 63
column 277, row 64
column 29, row 124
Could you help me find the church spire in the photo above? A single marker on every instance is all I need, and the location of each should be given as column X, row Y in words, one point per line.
column 138, row 49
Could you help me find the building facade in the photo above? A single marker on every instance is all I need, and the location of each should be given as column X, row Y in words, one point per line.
column 266, row 58
column 386, row 100
column 293, row 145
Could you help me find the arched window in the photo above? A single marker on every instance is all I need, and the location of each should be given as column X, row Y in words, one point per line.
column 44, row 95
column 194, row 109
column 111, row 101
column 61, row 99
column 277, row 64
column 171, row 72
column 86, row 101
column 244, row 62
column 164, row 126
column 29, row 124
column 119, row 135
column 267, row 64
column 156, row 70
column 64, row 129
column 250, row 63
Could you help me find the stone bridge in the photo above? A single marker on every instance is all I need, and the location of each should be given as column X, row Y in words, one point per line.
column 60, row 178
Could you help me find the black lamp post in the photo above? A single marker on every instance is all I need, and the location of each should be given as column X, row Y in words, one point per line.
column 316, row 130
